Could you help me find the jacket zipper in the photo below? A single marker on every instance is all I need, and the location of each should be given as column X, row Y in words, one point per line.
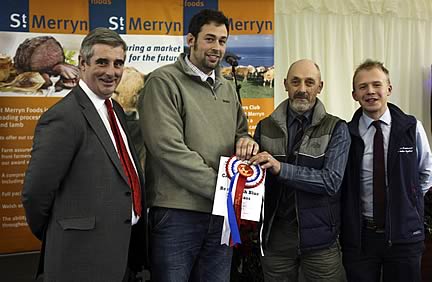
column 270, row 223
column 306, row 130
column 212, row 88
column 359, row 200
column 389, row 242
column 298, row 222
column 296, row 206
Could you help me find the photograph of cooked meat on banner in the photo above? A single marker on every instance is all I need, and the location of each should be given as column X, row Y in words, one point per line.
column 39, row 51
column 40, row 65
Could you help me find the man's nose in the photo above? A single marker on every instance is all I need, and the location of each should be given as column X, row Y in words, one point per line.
column 216, row 45
column 302, row 87
column 110, row 69
column 370, row 88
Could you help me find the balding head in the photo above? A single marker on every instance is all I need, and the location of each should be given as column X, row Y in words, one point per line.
column 305, row 63
column 303, row 84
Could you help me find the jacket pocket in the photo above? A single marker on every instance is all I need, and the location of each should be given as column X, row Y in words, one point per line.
column 331, row 214
column 77, row 223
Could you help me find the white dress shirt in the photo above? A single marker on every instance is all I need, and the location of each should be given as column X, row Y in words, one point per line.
column 99, row 104
column 367, row 132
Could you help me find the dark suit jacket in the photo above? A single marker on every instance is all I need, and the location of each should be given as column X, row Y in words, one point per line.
column 76, row 196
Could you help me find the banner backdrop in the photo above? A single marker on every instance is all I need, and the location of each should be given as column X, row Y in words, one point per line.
column 39, row 45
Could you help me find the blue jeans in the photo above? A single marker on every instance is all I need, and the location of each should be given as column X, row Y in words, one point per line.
column 185, row 246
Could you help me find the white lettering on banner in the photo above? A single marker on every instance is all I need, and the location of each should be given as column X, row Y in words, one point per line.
column 18, row 20
column 116, row 22
column 255, row 114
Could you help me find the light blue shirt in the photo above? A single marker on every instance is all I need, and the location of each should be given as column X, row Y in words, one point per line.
column 367, row 132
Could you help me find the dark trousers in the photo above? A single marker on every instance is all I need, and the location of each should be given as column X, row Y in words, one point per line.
column 186, row 246
column 400, row 262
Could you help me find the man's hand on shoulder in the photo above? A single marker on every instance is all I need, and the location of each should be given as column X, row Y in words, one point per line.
column 246, row 147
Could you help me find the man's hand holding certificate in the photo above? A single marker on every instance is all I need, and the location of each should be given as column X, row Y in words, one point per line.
column 239, row 195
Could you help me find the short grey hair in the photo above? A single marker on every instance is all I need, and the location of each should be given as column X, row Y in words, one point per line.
column 100, row 35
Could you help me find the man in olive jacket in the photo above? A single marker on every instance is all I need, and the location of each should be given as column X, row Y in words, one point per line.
column 191, row 117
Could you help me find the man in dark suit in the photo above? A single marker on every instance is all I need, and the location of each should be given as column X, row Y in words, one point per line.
column 83, row 192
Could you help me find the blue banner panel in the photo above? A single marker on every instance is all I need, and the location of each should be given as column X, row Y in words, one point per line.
column 108, row 13
column 191, row 7
column 14, row 15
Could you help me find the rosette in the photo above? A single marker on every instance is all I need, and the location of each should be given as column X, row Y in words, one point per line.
column 242, row 176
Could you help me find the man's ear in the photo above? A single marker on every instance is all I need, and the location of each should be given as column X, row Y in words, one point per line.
column 354, row 96
column 286, row 84
column 390, row 88
column 81, row 62
column 321, row 86
column 190, row 39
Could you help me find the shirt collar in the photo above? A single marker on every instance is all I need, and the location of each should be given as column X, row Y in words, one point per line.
column 198, row 72
column 97, row 101
column 367, row 121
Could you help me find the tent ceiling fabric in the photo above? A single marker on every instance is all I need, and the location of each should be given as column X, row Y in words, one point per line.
column 412, row 9
column 340, row 34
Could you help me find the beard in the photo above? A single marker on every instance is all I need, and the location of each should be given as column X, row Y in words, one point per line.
column 206, row 65
column 300, row 106
column 301, row 103
column 212, row 65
